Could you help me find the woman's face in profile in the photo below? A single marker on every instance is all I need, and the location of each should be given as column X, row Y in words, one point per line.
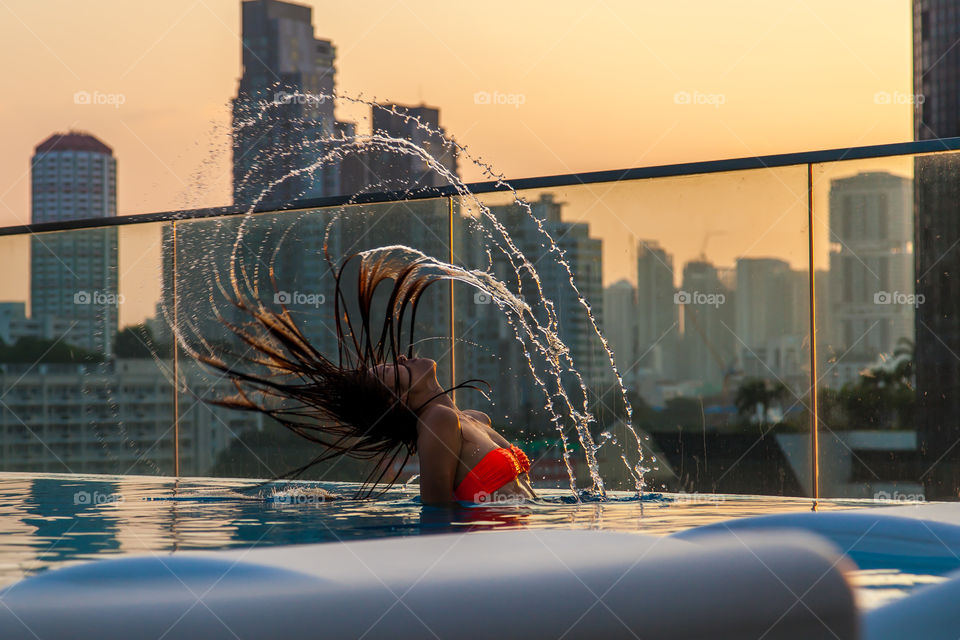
column 406, row 374
column 395, row 377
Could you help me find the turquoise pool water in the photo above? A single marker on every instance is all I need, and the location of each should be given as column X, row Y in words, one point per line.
column 55, row 520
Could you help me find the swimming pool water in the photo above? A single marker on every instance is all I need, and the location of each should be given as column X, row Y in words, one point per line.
column 52, row 520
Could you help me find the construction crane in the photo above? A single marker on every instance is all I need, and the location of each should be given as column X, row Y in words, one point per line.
column 706, row 238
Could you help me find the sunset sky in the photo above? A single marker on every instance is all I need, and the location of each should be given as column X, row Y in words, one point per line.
column 598, row 82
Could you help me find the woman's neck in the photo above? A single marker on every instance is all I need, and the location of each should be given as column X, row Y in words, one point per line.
column 434, row 396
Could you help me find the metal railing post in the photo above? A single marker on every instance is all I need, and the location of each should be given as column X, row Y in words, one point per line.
column 176, row 360
column 451, row 328
column 814, row 392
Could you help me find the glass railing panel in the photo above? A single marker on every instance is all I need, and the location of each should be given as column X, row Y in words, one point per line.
column 86, row 374
column 886, row 237
column 700, row 286
column 280, row 260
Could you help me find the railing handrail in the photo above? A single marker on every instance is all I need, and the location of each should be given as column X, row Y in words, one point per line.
column 540, row 182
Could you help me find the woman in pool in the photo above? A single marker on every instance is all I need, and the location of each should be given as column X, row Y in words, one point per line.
column 373, row 403
column 461, row 456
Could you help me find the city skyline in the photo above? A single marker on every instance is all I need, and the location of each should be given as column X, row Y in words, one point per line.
column 138, row 307
column 166, row 137
column 755, row 237
column 711, row 251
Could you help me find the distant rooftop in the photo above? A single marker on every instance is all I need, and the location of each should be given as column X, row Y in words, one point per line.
column 73, row 141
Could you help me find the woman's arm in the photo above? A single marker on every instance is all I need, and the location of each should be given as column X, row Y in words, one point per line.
column 524, row 478
column 438, row 447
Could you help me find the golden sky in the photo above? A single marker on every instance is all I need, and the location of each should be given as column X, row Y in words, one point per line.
column 599, row 82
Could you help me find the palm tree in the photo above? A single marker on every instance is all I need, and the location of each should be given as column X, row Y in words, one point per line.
column 776, row 393
column 906, row 351
column 757, row 395
column 884, row 396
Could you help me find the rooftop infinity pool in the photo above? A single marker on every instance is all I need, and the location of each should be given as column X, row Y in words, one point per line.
column 52, row 520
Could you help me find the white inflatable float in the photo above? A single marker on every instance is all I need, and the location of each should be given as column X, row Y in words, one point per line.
column 913, row 538
column 516, row 584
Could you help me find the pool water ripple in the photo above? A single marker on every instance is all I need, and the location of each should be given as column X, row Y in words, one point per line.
column 51, row 520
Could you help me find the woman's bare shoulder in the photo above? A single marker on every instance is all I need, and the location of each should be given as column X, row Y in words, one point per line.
column 440, row 418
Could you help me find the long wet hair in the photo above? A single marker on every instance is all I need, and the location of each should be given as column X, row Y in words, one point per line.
column 341, row 406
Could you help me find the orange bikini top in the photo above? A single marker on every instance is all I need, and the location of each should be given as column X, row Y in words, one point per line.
column 494, row 470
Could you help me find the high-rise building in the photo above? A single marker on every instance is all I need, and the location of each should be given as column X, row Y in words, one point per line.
column 422, row 164
column 871, row 264
column 657, row 326
column 113, row 417
column 74, row 275
column 709, row 342
column 936, row 79
column 356, row 174
column 283, row 122
column 103, row 417
column 620, row 326
column 497, row 355
column 292, row 72
column 936, row 69
column 74, row 176
column 772, row 321
column 763, row 308
column 15, row 325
